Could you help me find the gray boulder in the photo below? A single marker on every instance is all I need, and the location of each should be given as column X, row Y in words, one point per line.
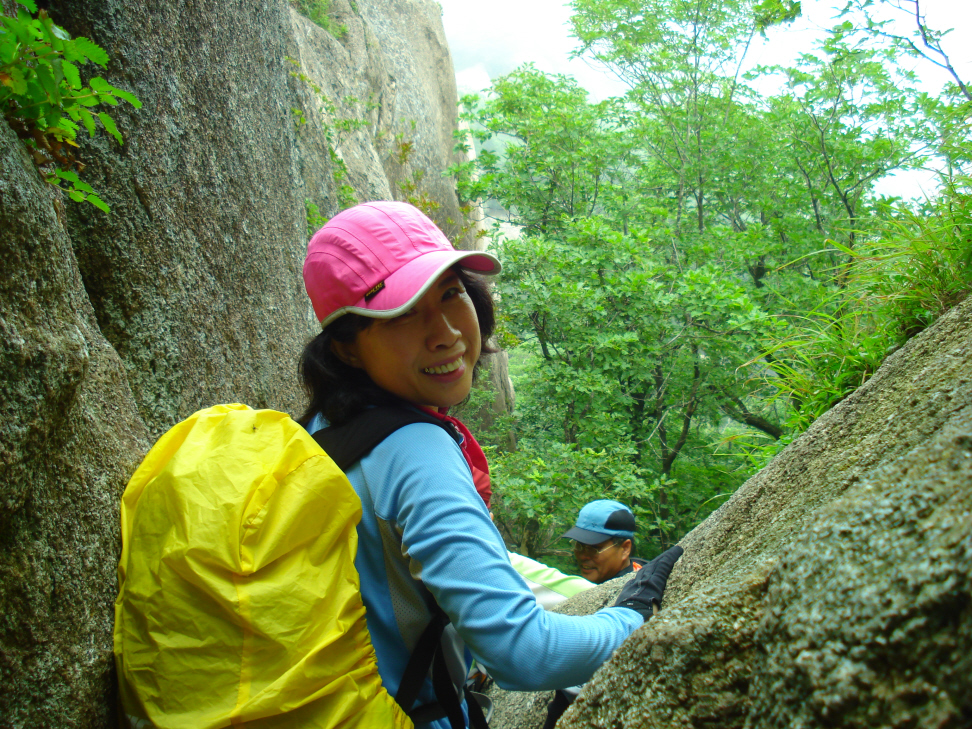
column 70, row 434
column 835, row 587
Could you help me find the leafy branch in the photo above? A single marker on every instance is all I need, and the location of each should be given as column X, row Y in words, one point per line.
column 44, row 100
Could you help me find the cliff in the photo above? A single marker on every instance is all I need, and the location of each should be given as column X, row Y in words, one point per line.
column 115, row 326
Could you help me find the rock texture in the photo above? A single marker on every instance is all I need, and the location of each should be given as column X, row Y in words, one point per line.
column 384, row 94
column 835, row 588
column 188, row 293
column 69, row 436
column 194, row 276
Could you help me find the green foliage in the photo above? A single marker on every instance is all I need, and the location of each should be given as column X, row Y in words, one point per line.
column 318, row 12
column 315, row 221
column 44, row 100
column 347, row 197
column 921, row 265
column 338, row 120
column 775, row 12
column 409, row 186
column 77, row 190
column 627, row 353
column 409, row 180
column 660, row 243
column 898, row 283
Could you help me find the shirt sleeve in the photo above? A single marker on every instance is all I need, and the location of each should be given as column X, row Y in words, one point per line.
column 456, row 551
column 547, row 578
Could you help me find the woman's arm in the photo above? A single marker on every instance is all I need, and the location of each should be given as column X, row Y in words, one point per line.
column 456, row 551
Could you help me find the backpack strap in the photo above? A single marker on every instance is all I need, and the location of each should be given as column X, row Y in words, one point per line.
column 349, row 443
column 346, row 445
column 428, row 654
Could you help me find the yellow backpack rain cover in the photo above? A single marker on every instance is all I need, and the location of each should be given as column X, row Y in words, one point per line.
column 239, row 602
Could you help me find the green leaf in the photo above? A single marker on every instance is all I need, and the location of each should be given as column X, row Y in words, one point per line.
column 130, row 98
column 71, row 74
column 60, row 32
column 98, row 203
column 17, row 82
column 88, row 119
column 76, row 195
column 68, row 175
column 91, row 50
column 50, row 36
column 99, row 84
column 69, row 128
column 50, row 86
column 87, row 100
column 109, row 125
column 29, row 4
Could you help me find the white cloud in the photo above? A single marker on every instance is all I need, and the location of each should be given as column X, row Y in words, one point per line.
column 472, row 80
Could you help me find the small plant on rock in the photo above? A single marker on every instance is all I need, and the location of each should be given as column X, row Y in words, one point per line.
column 318, row 12
column 44, row 100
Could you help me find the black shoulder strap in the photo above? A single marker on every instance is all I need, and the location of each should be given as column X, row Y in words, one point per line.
column 428, row 655
column 347, row 444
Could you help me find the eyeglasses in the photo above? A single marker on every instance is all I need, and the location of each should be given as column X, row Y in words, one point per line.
column 591, row 550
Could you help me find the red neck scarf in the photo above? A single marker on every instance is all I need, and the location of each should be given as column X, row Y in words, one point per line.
column 471, row 451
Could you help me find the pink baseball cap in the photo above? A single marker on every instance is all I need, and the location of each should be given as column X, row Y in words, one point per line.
column 377, row 259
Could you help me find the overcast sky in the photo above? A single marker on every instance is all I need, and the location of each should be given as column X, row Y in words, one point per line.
column 489, row 39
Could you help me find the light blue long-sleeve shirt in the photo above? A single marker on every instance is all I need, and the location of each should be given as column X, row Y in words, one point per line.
column 425, row 530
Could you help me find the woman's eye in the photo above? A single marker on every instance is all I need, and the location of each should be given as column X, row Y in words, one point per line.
column 453, row 291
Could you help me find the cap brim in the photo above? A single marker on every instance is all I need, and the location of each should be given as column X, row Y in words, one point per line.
column 585, row 536
column 403, row 288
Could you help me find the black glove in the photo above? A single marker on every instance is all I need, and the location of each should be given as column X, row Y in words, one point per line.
column 646, row 589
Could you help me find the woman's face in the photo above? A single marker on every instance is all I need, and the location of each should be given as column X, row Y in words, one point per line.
column 425, row 356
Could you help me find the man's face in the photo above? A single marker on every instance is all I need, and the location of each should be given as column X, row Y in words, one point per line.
column 600, row 562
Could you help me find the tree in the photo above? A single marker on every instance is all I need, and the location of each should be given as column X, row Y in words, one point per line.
column 664, row 239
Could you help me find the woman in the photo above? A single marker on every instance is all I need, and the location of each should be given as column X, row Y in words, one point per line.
column 405, row 323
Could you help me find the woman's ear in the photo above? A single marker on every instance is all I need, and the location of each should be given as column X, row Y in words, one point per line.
column 347, row 352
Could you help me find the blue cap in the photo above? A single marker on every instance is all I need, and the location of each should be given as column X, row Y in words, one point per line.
column 600, row 520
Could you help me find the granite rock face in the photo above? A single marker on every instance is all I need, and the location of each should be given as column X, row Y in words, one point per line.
column 70, row 435
column 115, row 326
column 835, row 587
column 384, row 95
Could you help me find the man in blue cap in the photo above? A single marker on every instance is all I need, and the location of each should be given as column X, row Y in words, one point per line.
column 602, row 539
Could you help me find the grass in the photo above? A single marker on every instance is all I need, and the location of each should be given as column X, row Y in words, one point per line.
column 898, row 283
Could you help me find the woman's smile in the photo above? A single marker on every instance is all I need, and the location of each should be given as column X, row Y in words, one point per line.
column 449, row 368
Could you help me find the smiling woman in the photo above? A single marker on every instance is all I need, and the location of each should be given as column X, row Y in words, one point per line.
column 404, row 318
column 404, row 325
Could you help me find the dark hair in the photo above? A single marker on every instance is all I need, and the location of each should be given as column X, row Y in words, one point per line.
column 338, row 390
